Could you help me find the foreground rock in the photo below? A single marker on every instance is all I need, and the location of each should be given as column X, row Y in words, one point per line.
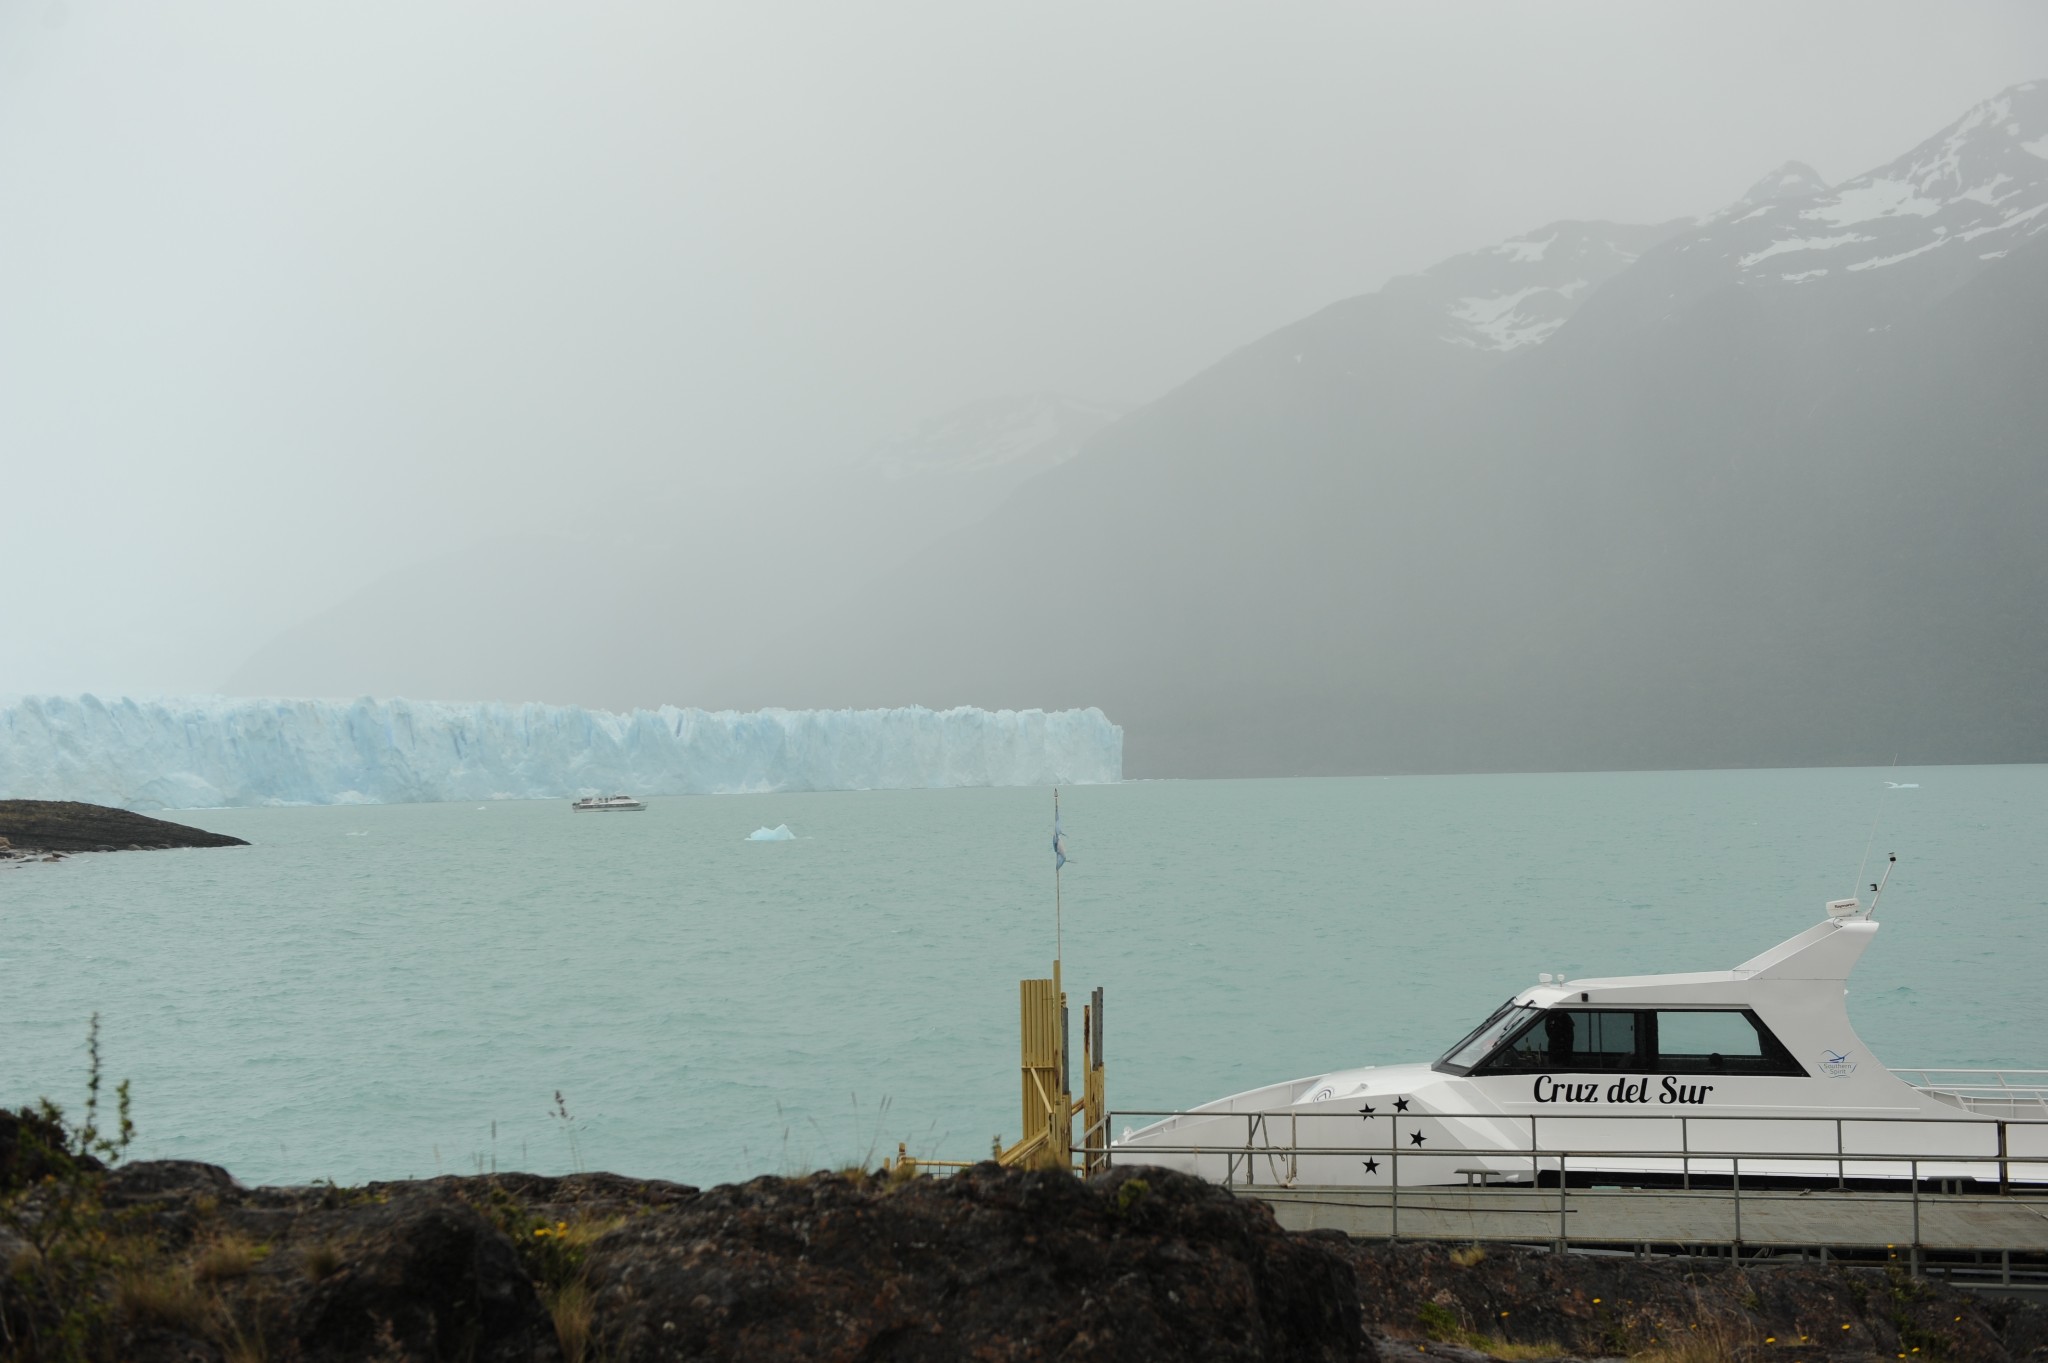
column 993, row 1264
column 1430, row 1301
column 43, row 827
column 989, row 1264
column 171, row 1260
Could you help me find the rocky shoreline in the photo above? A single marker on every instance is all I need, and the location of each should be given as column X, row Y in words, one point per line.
column 50, row 830
column 1139, row 1265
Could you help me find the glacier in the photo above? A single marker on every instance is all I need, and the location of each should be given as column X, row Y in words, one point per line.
column 209, row 752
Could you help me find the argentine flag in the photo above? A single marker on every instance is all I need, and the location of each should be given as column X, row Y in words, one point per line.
column 1059, row 844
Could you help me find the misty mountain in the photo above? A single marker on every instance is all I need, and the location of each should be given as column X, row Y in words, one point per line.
column 1761, row 488
column 643, row 611
column 994, row 443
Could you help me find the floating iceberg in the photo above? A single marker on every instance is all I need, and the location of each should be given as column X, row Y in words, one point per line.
column 779, row 833
column 207, row 752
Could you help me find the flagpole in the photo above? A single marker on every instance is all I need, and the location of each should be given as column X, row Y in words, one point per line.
column 1057, row 920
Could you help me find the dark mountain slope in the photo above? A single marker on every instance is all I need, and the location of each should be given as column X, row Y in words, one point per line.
column 1724, row 515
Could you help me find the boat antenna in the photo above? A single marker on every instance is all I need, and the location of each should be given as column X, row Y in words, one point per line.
column 1877, row 889
column 1857, row 887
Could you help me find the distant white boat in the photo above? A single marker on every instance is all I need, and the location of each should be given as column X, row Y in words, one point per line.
column 606, row 803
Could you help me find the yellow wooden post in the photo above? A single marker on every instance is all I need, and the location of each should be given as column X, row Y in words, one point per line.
column 1094, row 1101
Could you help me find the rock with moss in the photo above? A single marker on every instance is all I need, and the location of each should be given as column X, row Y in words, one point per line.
column 1431, row 1301
column 993, row 1263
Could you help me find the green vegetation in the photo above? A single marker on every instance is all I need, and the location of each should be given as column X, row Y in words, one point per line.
column 50, row 1200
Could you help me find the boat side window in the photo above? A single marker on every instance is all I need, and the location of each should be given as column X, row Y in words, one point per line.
column 1572, row 1039
column 1718, row 1041
column 1505, row 1022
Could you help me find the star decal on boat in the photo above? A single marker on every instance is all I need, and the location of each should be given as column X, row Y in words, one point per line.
column 1365, row 1111
column 1415, row 1138
column 1400, row 1105
column 1372, row 1166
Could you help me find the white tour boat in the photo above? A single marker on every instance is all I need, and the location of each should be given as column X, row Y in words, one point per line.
column 1652, row 1080
column 606, row 803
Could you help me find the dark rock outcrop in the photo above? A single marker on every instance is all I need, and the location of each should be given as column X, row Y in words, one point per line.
column 990, row 1264
column 34, row 827
column 173, row 1260
column 1431, row 1299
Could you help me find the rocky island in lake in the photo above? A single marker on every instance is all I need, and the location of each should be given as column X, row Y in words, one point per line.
column 36, row 829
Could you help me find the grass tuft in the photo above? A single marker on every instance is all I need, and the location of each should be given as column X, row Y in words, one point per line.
column 570, row 1306
column 227, row 1257
column 1468, row 1256
column 322, row 1260
column 163, row 1297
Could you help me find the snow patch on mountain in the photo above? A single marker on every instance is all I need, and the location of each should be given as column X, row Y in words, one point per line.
column 1518, row 293
column 1803, row 244
column 1986, row 172
column 1880, row 198
column 1525, row 250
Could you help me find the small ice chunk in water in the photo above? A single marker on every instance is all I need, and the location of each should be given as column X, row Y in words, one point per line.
column 779, row 833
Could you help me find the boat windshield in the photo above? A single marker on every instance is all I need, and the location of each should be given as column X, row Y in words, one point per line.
column 1503, row 1024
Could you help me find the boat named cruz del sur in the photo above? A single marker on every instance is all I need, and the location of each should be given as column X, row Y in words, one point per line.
column 1646, row 1078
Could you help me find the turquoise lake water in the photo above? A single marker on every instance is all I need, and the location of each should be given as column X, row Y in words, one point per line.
column 366, row 991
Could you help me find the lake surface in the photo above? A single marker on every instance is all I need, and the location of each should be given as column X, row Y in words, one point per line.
column 388, row 991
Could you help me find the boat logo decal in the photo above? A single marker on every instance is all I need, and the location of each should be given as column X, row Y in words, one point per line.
column 1323, row 1094
column 1671, row 1090
column 1837, row 1064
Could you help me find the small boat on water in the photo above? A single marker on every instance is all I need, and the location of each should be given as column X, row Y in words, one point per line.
column 599, row 804
column 1750, row 1073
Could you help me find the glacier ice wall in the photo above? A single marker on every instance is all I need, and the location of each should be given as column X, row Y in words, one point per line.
column 206, row 752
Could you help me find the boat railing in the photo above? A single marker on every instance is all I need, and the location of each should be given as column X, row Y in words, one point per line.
column 2007, row 1150
column 2005, row 1158
column 1982, row 1090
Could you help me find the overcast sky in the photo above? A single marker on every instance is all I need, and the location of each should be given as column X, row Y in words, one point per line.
column 292, row 294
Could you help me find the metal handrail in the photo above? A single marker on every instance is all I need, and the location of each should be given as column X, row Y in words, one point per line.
column 1685, row 1156
column 1336, row 1110
column 2026, row 1085
column 1713, row 1157
column 1774, row 1161
column 1951, row 1069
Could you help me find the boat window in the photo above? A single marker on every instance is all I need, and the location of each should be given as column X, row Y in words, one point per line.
column 1719, row 1041
column 1573, row 1039
column 1506, row 1020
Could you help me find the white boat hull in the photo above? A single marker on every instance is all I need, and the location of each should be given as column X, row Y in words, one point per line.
column 1828, row 1114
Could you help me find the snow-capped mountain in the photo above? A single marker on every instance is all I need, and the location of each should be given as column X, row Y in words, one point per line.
column 1759, row 488
column 1519, row 292
column 1021, row 434
column 1970, row 193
